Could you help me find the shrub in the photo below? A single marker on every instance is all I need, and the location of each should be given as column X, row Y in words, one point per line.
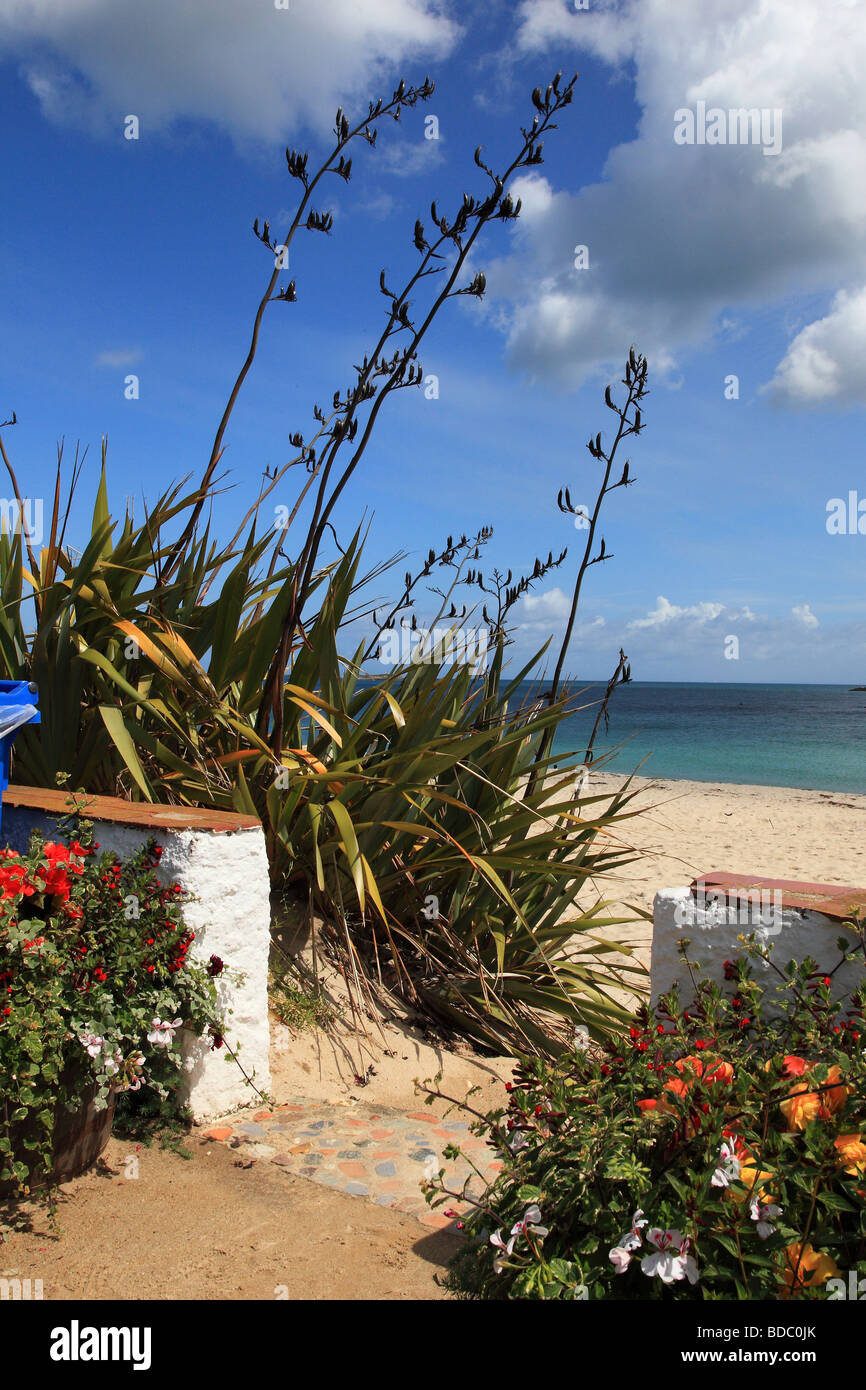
column 420, row 814
column 714, row 1152
column 95, row 986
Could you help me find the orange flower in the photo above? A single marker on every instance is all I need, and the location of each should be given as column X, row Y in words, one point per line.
column 834, row 1098
column 751, row 1176
column 678, row 1087
column 795, row 1066
column 693, row 1064
column 801, row 1261
column 803, row 1106
column 791, row 1066
column 719, row 1074
column 692, row 1069
column 852, row 1152
column 800, row 1109
column 660, row 1107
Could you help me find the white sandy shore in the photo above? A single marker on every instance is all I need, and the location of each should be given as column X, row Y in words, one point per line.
column 688, row 828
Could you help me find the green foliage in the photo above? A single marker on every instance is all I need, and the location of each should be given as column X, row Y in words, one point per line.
column 299, row 1009
column 714, row 1152
column 414, row 809
column 142, row 683
column 146, row 1116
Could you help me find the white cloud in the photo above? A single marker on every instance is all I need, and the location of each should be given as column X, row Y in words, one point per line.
column 803, row 613
column 380, row 206
column 119, row 357
column 692, row 642
column 552, row 606
column 681, row 237
column 410, row 157
column 825, row 362
column 251, row 68
column 666, row 612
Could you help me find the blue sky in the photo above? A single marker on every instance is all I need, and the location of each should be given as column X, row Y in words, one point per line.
column 136, row 256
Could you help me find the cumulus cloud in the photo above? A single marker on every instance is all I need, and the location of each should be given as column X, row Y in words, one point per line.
column 824, row 364
column 251, row 68
column 679, row 235
column 803, row 613
column 666, row 612
column 552, row 605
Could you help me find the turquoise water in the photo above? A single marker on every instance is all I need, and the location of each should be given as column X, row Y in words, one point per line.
column 811, row 736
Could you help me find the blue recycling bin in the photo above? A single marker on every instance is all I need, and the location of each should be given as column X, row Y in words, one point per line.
column 18, row 706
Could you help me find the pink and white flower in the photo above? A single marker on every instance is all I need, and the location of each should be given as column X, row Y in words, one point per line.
column 133, row 1073
column 163, row 1031
column 764, row 1214
column 620, row 1255
column 92, row 1043
column 728, row 1169
column 500, row 1244
column 530, row 1222
column 671, row 1261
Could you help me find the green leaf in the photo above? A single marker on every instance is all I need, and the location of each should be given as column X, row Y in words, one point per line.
column 350, row 846
column 114, row 723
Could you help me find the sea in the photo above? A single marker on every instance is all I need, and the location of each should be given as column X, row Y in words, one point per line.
column 810, row 736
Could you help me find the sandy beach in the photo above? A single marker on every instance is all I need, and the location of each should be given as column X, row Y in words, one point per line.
column 688, row 828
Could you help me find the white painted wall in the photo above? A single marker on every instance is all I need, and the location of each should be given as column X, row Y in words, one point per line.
column 226, row 872
column 793, row 934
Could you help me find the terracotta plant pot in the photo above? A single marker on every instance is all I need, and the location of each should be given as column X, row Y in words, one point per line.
column 79, row 1138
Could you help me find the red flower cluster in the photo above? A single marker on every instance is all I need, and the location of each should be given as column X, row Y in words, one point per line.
column 112, row 897
column 13, row 879
column 52, row 879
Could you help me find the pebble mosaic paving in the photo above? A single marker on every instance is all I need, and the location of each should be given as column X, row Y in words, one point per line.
column 379, row 1154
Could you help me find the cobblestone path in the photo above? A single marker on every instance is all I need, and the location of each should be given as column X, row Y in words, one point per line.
column 379, row 1154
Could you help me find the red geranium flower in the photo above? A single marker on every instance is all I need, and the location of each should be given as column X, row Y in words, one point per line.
column 59, row 854
column 56, row 882
column 14, row 882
